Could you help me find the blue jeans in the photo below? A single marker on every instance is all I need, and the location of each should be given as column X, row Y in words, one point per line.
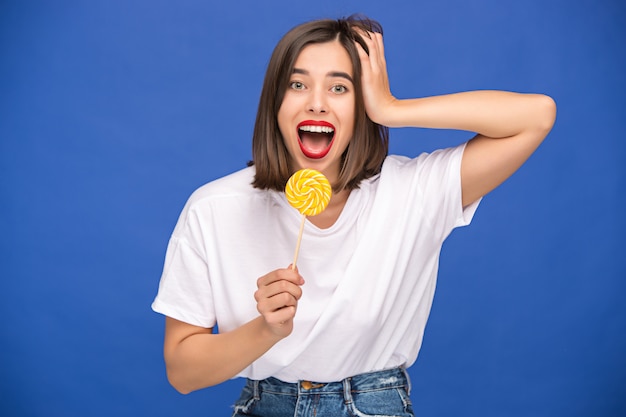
column 379, row 394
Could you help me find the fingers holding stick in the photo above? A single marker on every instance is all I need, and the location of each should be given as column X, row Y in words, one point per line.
column 277, row 298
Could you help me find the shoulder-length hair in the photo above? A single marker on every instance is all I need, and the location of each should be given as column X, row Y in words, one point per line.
column 369, row 144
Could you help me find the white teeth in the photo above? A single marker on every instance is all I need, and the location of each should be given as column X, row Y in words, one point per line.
column 317, row 129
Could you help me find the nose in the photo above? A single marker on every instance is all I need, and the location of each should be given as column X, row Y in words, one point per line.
column 317, row 102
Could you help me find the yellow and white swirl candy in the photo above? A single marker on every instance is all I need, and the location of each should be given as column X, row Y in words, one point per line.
column 308, row 191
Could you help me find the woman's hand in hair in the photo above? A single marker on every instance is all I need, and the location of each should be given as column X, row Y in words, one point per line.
column 377, row 96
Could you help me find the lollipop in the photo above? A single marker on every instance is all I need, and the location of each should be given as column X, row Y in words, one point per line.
column 309, row 192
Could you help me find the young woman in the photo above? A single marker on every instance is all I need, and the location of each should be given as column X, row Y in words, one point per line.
column 335, row 335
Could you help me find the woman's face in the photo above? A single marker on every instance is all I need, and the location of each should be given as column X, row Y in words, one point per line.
column 316, row 117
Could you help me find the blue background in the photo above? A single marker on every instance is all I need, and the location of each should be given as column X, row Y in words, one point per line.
column 113, row 112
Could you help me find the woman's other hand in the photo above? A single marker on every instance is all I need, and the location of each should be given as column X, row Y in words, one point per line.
column 377, row 95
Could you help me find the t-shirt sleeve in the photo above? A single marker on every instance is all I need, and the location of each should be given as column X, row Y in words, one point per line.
column 185, row 289
column 438, row 178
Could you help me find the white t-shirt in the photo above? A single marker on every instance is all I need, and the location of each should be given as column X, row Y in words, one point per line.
column 370, row 278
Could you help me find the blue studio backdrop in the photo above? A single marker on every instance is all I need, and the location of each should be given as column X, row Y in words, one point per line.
column 113, row 112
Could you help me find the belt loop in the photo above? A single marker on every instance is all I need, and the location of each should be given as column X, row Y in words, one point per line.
column 347, row 395
column 255, row 389
column 408, row 380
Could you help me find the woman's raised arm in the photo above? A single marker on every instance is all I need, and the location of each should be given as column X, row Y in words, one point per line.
column 508, row 126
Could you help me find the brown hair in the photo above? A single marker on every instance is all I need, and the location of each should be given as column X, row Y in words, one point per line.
column 369, row 144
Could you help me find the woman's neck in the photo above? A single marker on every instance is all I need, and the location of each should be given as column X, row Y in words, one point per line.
column 328, row 217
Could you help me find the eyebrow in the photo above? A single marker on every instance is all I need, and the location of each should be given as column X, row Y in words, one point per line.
column 331, row 74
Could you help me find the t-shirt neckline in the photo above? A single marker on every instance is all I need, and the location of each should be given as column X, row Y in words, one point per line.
column 347, row 216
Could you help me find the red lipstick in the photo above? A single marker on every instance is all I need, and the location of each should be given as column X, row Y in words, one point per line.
column 315, row 138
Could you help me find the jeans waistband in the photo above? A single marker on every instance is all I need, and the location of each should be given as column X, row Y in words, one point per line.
column 371, row 381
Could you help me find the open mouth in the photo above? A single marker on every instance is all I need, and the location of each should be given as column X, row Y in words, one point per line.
column 315, row 138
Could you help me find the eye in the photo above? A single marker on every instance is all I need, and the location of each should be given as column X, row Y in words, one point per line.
column 296, row 85
column 339, row 89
